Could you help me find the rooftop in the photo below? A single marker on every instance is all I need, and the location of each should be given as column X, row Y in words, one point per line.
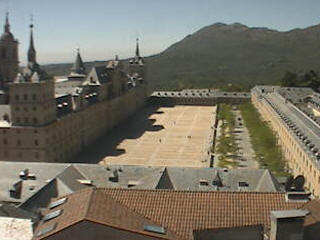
column 56, row 179
column 179, row 212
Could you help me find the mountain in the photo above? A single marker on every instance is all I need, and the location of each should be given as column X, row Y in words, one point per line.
column 220, row 54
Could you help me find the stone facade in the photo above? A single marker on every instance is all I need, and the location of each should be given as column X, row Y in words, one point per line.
column 52, row 121
column 299, row 159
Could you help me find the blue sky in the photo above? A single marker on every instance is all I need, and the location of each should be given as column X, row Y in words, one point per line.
column 103, row 28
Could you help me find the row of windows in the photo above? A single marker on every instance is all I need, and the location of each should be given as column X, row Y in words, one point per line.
column 19, row 143
column 34, row 108
column 302, row 161
column 4, row 53
column 26, row 120
column 26, row 97
column 20, row 155
column 4, row 131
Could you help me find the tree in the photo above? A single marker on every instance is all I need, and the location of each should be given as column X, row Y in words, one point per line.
column 289, row 80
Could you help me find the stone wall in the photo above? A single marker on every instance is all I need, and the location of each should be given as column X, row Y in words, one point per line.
column 297, row 160
column 69, row 135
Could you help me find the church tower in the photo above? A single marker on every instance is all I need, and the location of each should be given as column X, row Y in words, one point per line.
column 137, row 68
column 136, row 63
column 32, row 95
column 9, row 63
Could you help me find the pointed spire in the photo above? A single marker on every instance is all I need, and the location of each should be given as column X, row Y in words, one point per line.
column 78, row 66
column 7, row 35
column 7, row 25
column 137, row 49
column 31, row 52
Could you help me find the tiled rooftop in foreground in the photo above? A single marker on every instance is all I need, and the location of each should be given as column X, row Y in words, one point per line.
column 179, row 213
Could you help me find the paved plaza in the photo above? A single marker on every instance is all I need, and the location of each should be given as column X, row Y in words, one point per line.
column 165, row 136
column 179, row 136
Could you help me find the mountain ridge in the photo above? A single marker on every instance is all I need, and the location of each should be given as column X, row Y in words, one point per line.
column 220, row 54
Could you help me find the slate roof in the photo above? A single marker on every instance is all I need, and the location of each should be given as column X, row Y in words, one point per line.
column 10, row 174
column 78, row 66
column 8, row 210
column 283, row 102
column 101, row 73
column 56, row 179
column 67, row 88
column 179, row 212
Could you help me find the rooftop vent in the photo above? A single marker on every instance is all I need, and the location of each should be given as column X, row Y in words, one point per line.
column 132, row 183
column 46, row 230
column 52, row 215
column 16, row 189
column 243, row 184
column 25, row 174
column 57, row 203
column 114, row 176
column 204, row 182
column 154, row 229
column 85, row 182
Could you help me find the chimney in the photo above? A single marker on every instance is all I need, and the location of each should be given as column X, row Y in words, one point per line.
column 114, row 176
column 16, row 189
column 287, row 225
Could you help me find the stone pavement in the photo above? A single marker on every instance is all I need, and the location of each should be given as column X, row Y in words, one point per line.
column 178, row 136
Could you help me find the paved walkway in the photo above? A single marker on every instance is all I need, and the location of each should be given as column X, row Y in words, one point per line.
column 245, row 155
column 246, row 152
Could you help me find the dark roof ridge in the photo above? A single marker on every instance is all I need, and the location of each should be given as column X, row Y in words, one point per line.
column 191, row 191
column 89, row 203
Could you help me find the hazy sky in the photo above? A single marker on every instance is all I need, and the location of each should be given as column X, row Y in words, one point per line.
column 103, row 28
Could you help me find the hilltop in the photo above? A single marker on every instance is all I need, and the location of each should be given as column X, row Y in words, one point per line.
column 220, row 54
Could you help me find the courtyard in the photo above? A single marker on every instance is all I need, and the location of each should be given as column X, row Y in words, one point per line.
column 165, row 136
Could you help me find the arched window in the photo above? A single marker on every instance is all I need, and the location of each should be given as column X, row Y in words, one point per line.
column 35, row 120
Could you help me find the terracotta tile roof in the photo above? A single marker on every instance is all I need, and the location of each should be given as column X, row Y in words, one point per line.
column 96, row 206
column 314, row 208
column 180, row 212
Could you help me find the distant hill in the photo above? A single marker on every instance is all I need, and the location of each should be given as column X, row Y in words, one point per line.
column 220, row 54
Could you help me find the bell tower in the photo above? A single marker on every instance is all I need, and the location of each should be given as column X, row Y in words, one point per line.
column 9, row 63
column 32, row 95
